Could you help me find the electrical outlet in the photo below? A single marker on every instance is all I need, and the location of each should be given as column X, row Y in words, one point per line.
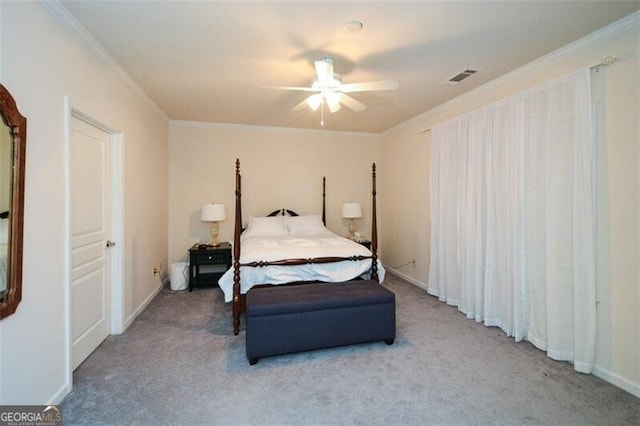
column 156, row 270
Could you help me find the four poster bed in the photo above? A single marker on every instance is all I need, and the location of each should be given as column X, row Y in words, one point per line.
column 285, row 248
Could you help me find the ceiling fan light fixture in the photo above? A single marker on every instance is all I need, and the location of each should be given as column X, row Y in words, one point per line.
column 333, row 100
column 327, row 83
column 314, row 101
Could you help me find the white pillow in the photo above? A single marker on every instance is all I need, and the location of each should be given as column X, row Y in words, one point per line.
column 308, row 224
column 266, row 227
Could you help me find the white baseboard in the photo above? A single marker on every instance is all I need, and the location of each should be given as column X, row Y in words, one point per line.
column 59, row 396
column 140, row 308
column 615, row 379
column 406, row 277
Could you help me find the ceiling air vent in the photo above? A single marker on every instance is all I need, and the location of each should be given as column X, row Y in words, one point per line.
column 462, row 75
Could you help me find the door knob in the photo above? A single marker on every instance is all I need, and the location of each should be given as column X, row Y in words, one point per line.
column 110, row 243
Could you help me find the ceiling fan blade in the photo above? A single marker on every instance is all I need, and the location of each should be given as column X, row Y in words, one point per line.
column 369, row 86
column 351, row 103
column 324, row 69
column 312, row 102
column 298, row 88
column 302, row 105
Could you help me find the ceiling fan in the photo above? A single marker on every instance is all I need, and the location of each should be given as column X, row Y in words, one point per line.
column 329, row 90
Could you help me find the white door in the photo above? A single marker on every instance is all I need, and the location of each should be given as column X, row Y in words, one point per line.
column 90, row 231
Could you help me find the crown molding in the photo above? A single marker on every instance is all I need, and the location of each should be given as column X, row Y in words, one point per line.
column 253, row 127
column 622, row 25
column 68, row 21
column 421, row 122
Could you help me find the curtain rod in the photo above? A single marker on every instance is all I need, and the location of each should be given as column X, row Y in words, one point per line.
column 605, row 62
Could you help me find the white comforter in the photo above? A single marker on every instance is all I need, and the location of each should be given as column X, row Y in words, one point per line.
column 326, row 244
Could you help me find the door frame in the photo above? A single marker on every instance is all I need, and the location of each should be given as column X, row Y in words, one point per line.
column 117, row 227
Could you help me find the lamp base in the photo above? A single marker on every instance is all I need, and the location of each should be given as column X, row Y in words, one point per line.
column 352, row 229
column 213, row 235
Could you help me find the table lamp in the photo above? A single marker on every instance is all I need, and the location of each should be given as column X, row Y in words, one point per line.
column 213, row 213
column 352, row 211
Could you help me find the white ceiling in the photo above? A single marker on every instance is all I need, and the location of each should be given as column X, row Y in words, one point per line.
column 204, row 61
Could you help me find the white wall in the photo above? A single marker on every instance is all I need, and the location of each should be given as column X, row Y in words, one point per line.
column 405, row 207
column 42, row 63
column 406, row 156
column 281, row 168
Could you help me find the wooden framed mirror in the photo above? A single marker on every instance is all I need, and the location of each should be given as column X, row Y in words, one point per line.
column 13, row 142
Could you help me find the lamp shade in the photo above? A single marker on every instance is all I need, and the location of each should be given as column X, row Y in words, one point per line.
column 212, row 213
column 351, row 210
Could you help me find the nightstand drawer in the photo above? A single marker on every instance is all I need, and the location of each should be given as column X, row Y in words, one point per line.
column 209, row 258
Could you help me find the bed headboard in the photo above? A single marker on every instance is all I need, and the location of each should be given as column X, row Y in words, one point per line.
column 282, row 212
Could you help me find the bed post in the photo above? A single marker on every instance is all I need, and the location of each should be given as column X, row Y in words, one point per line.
column 374, row 228
column 236, row 254
column 324, row 203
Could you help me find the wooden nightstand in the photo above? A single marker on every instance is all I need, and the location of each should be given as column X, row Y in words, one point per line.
column 207, row 265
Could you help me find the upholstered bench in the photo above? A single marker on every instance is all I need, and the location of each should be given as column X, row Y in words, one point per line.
column 285, row 319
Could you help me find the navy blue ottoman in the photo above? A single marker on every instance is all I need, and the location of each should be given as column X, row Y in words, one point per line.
column 285, row 319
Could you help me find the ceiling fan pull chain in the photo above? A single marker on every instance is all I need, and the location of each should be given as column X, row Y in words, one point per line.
column 322, row 113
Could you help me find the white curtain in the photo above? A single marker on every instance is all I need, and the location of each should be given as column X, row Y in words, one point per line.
column 513, row 217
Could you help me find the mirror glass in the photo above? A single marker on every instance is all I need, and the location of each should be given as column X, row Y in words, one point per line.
column 6, row 151
column 13, row 142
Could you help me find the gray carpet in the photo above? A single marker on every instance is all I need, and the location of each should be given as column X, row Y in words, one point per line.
column 179, row 363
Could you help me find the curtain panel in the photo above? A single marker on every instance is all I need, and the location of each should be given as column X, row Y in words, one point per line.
column 513, row 217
